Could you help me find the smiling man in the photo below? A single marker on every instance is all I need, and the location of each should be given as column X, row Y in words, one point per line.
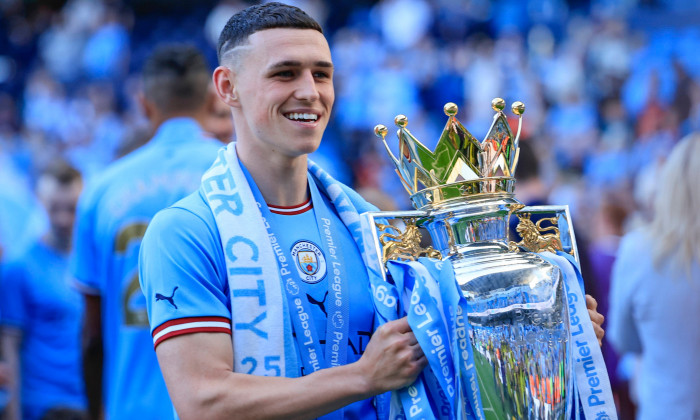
column 258, row 299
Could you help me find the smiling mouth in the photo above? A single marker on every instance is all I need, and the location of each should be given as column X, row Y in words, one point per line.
column 301, row 117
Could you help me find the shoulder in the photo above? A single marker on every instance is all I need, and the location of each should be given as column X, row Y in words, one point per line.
column 188, row 222
column 635, row 245
column 192, row 206
column 197, row 152
column 636, row 237
column 12, row 270
column 121, row 166
column 181, row 251
column 150, row 178
column 16, row 273
column 336, row 191
column 112, row 175
column 633, row 263
column 24, row 256
column 183, row 240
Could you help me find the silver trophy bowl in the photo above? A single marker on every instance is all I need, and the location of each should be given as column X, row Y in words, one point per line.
column 516, row 301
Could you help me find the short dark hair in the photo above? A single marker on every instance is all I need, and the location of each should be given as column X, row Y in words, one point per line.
column 260, row 17
column 62, row 171
column 176, row 78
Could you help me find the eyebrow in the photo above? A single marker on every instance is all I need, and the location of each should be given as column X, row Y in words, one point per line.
column 294, row 63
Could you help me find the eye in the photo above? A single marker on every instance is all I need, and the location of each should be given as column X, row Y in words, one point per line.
column 284, row 74
column 322, row 75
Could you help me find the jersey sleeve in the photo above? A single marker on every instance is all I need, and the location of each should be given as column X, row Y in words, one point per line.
column 183, row 276
column 84, row 257
column 13, row 296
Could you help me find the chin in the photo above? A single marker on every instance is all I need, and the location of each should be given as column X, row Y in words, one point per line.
column 308, row 147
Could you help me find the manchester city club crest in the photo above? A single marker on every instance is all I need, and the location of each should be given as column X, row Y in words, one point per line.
column 310, row 261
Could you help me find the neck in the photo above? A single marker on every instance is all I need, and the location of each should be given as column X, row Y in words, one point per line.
column 57, row 242
column 470, row 221
column 282, row 181
column 158, row 119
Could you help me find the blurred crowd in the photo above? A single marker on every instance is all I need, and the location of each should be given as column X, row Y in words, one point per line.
column 609, row 88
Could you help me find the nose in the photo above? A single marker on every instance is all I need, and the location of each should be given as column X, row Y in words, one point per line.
column 306, row 88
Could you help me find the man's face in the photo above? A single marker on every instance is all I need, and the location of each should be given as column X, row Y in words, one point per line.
column 284, row 89
column 60, row 202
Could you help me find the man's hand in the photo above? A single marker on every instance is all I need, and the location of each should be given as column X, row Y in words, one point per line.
column 596, row 318
column 393, row 359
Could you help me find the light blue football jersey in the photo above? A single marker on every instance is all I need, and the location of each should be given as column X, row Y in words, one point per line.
column 184, row 279
column 112, row 218
column 36, row 297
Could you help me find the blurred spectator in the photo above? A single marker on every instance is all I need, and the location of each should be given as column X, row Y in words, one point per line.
column 113, row 215
column 655, row 294
column 218, row 122
column 531, row 189
column 403, row 22
column 41, row 313
column 608, row 227
column 217, row 18
column 106, row 52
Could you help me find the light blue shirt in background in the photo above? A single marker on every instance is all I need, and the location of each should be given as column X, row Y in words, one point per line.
column 656, row 313
column 112, row 217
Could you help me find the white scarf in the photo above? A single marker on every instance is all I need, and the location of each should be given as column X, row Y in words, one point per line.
column 261, row 327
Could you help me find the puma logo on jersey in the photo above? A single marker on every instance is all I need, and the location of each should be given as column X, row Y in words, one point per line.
column 321, row 304
column 168, row 298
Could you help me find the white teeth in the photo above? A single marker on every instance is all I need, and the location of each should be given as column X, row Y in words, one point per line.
column 302, row 116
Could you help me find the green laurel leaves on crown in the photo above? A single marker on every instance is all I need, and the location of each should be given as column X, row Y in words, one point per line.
column 458, row 156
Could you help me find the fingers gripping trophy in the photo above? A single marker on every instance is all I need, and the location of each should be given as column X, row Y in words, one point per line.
column 502, row 320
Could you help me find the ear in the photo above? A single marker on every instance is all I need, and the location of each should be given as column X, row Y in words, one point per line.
column 148, row 108
column 225, row 86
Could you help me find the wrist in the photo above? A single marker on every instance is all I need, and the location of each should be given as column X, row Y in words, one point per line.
column 358, row 380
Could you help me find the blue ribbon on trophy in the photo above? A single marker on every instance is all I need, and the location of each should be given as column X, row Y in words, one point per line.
column 592, row 382
column 412, row 401
column 427, row 323
column 503, row 324
column 436, row 312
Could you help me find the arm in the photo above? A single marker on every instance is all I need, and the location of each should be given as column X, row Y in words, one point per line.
column 181, row 249
column 11, row 338
column 624, row 281
column 92, row 354
column 4, row 373
column 198, row 372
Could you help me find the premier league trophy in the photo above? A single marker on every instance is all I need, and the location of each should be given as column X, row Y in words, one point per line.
column 517, row 304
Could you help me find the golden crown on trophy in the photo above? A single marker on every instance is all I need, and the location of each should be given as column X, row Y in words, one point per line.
column 460, row 166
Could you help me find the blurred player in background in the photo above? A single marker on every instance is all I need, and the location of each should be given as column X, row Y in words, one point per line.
column 41, row 312
column 113, row 215
column 218, row 123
